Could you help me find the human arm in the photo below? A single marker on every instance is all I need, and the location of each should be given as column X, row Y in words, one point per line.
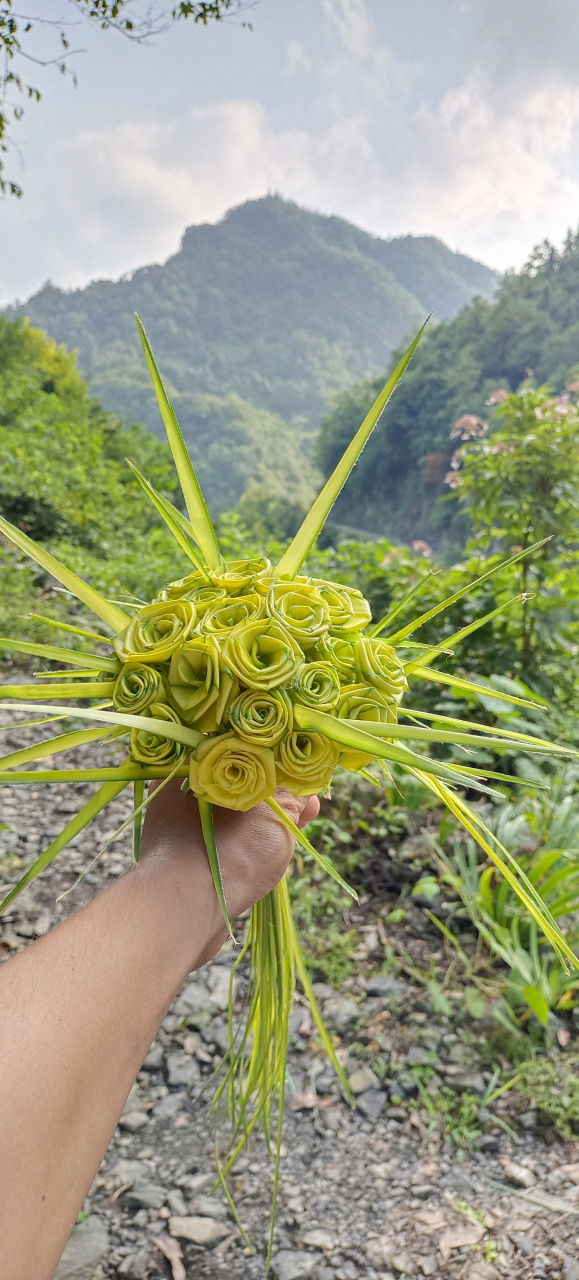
column 80, row 1007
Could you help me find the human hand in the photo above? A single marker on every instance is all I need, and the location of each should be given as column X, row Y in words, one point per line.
column 254, row 848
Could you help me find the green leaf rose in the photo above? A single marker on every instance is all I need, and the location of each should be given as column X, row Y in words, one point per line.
column 378, row 664
column 305, row 762
column 155, row 632
column 233, row 773
column 137, row 687
column 262, row 654
column 197, row 684
column 300, row 609
column 316, row 684
column 258, row 716
column 147, row 747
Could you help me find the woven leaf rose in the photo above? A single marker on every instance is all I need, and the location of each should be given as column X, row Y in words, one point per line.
column 197, row 686
column 231, row 772
column 137, row 687
column 258, row 716
column 262, row 654
column 305, row 762
column 243, row 676
column 316, row 684
column 300, row 609
column 369, row 706
column 148, row 747
column 154, row 631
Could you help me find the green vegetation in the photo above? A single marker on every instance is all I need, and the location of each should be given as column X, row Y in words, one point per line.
column 274, row 304
column 515, row 483
column 532, row 325
column 552, row 1084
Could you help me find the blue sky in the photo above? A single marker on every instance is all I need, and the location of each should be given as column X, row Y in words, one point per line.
column 456, row 118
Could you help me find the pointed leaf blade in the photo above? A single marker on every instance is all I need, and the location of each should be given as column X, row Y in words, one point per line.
column 467, row 686
column 306, row 535
column 77, row 824
column 51, row 746
column 445, row 604
column 206, row 815
column 76, row 657
column 355, row 739
column 109, row 613
column 205, row 535
column 166, row 513
column 162, row 728
column 299, row 836
column 91, row 689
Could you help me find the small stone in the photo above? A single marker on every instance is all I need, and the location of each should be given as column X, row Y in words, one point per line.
column 218, row 1034
column 194, row 996
column 380, row 1252
column 429, row 1265
column 135, row 1265
column 371, row 1103
column 524, row 1242
column 570, row 1268
column 86, row 1247
column 154, row 1058
column 417, row 1056
column 529, row 1119
column 199, row 1181
column 403, row 1263
column 182, row 1069
column 423, row 1191
column 204, row 1231
column 382, row 984
column 520, row 1175
column 488, row 1143
column 363, row 1079
column 341, row 1013
column 318, row 1238
column 483, row 1271
column 467, row 1082
column 133, row 1121
column 208, row 1207
column 293, row 1265
column 145, row 1196
column 169, row 1106
column 177, row 1204
column 323, row 991
column 129, row 1171
column 348, row 1271
column 218, row 983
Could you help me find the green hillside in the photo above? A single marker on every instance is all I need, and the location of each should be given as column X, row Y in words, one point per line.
column 531, row 327
column 275, row 305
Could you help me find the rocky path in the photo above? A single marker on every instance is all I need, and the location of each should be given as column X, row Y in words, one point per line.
column 368, row 1194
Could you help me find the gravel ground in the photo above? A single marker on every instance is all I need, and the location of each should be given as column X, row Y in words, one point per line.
column 366, row 1194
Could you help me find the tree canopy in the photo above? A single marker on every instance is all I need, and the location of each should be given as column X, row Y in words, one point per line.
column 530, row 331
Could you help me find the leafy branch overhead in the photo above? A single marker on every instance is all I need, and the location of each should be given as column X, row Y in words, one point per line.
column 19, row 46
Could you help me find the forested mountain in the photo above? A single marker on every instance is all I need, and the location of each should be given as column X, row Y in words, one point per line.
column 274, row 305
column 531, row 329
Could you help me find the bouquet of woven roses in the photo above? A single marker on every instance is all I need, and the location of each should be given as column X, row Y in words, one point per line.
column 240, row 678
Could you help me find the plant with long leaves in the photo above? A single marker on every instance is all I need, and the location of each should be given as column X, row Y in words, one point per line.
column 240, row 678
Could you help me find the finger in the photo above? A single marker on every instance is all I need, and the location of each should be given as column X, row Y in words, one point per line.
column 310, row 811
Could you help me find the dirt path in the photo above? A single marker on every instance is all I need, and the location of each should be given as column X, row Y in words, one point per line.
column 365, row 1195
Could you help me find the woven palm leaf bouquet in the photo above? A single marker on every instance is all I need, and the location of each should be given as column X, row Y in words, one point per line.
column 240, row 678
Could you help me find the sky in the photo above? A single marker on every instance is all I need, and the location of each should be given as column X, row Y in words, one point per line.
column 452, row 118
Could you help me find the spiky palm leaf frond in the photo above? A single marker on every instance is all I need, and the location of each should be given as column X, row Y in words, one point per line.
column 242, row 677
